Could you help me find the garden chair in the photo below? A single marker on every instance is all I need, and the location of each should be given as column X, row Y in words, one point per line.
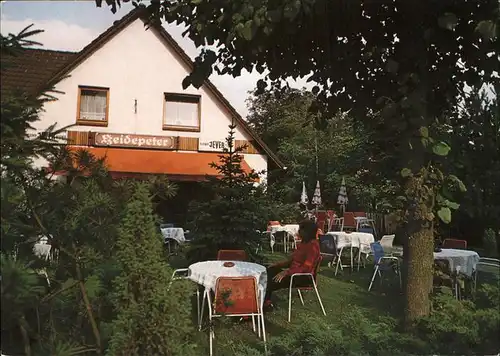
column 328, row 247
column 231, row 255
column 349, row 222
column 487, row 266
column 454, row 243
column 383, row 263
column 183, row 273
column 387, row 241
column 314, row 286
column 237, row 296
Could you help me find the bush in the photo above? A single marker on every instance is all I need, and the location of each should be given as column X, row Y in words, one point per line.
column 490, row 243
column 463, row 327
column 151, row 320
column 238, row 210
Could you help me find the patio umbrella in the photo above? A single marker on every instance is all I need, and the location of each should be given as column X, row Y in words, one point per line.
column 304, row 200
column 342, row 200
column 316, row 199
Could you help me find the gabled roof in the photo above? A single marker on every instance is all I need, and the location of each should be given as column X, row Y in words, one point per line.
column 32, row 68
column 60, row 69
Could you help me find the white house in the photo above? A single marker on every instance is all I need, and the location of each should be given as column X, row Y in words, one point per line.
column 123, row 94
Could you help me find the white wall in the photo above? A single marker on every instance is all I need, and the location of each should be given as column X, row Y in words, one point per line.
column 135, row 64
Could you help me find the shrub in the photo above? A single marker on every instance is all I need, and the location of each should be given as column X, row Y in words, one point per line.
column 151, row 320
column 238, row 209
column 463, row 327
column 490, row 243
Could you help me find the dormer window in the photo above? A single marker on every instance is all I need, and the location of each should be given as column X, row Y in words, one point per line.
column 93, row 104
column 182, row 112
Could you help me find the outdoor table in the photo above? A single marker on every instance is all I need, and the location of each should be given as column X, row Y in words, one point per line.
column 206, row 274
column 463, row 261
column 290, row 229
column 352, row 239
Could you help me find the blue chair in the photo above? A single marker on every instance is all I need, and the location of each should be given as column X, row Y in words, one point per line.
column 383, row 263
column 328, row 247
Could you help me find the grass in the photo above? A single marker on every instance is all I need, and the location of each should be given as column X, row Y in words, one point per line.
column 340, row 294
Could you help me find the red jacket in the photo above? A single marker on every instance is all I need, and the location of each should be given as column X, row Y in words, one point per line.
column 304, row 258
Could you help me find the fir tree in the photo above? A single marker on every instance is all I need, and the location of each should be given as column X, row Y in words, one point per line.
column 151, row 320
column 237, row 210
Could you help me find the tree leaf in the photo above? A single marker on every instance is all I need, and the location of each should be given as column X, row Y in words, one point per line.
column 406, row 172
column 445, row 215
column 441, row 148
column 458, row 182
column 448, row 21
column 424, row 131
column 246, row 31
column 488, row 29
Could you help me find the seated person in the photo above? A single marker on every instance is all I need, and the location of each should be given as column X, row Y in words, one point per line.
column 302, row 260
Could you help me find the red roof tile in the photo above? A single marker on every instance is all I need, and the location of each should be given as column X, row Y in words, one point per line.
column 31, row 69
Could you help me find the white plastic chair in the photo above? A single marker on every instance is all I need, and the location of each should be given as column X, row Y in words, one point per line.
column 175, row 277
column 488, row 266
column 315, row 287
column 387, row 241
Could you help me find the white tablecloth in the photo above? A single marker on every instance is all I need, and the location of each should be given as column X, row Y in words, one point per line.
column 353, row 239
column 174, row 233
column 207, row 272
column 465, row 259
column 292, row 229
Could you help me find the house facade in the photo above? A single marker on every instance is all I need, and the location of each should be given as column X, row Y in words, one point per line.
column 123, row 99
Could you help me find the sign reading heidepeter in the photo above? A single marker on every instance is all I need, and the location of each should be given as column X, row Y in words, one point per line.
column 140, row 141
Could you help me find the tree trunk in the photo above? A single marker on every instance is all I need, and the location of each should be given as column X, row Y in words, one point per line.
column 419, row 261
column 418, row 250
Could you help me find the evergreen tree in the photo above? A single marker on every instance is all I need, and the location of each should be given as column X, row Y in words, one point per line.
column 151, row 320
column 237, row 210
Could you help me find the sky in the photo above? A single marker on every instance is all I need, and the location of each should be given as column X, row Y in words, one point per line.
column 71, row 25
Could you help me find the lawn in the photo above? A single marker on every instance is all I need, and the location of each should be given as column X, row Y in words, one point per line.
column 343, row 296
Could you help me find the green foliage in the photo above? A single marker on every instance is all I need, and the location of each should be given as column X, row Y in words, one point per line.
column 490, row 242
column 463, row 326
column 475, row 126
column 237, row 210
column 150, row 318
column 315, row 146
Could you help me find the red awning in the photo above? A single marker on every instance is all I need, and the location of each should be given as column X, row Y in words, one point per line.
column 132, row 163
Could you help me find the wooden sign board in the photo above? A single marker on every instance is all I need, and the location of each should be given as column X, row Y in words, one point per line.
column 134, row 141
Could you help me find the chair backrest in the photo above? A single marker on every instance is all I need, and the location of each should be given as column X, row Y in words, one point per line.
column 232, row 255
column 349, row 220
column 316, row 268
column 387, row 240
column 327, row 245
column 377, row 250
column 330, row 214
column 490, row 260
column 236, row 295
column 321, row 215
column 454, row 243
column 359, row 214
column 367, row 229
column 488, row 265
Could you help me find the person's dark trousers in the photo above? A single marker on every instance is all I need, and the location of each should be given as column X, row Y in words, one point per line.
column 298, row 281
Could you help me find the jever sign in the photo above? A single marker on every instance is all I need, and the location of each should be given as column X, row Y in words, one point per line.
column 137, row 141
